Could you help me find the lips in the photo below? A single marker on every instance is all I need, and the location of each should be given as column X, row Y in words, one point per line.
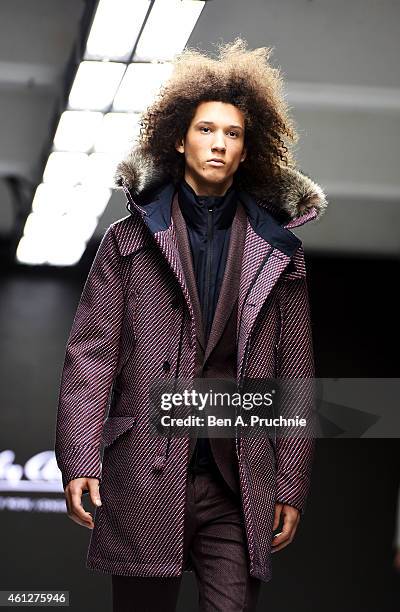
column 216, row 162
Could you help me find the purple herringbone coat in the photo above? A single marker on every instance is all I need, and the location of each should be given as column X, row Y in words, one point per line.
column 135, row 324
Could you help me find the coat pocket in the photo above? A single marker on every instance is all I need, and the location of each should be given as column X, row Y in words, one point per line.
column 114, row 427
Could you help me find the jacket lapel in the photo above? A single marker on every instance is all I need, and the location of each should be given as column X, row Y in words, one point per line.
column 267, row 250
column 158, row 219
column 262, row 267
column 187, row 265
column 231, row 278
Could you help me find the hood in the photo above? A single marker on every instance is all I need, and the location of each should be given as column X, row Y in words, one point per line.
column 293, row 199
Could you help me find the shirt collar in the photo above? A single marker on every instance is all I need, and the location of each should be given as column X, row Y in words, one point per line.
column 195, row 207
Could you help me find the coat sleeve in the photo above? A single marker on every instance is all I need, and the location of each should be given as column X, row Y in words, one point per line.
column 88, row 370
column 295, row 356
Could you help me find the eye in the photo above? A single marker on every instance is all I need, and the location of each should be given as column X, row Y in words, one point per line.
column 236, row 134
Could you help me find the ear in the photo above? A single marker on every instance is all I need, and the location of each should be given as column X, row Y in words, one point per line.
column 179, row 146
column 244, row 153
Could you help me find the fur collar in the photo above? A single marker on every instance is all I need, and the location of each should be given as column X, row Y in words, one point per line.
column 294, row 196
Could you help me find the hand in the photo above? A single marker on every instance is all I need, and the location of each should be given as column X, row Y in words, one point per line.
column 73, row 496
column 291, row 518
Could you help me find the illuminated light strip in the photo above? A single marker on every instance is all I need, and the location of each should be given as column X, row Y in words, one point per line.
column 182, row 15
column 103, row 108
column 110, row 36
column 139, row 84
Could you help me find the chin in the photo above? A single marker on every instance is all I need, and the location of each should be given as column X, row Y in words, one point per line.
column 214, row 175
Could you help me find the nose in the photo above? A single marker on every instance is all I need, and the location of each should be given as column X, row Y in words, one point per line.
column 219, row 142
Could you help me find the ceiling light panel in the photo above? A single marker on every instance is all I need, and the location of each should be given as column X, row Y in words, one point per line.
column 102, row 121
column 77, row 130
column 101, row 169
column 115, row 29
column 65, row 168
column 167, row 29
column 95, row 85
column 140, row 84
column 117, row 132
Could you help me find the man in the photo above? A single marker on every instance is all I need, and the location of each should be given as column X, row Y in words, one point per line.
column 203, row 279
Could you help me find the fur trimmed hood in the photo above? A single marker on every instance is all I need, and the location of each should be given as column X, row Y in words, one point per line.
column 294, row 197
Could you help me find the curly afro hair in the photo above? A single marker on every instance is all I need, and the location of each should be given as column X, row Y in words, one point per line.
column 240, row 77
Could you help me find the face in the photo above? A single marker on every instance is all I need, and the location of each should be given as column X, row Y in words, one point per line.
column 216, row 131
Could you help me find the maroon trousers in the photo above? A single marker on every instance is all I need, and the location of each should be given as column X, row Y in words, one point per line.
column 215, row 540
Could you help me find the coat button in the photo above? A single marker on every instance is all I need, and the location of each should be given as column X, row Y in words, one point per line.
column 166, row 366
column 175, row 303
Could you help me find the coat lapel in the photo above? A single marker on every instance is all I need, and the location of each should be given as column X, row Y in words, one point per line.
column 231, row 278
column 267, row 251
column 269, row 248
column 158, row 219
column 262, row 267
column 188, row 268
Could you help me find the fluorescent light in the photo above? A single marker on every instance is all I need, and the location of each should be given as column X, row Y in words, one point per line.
column 52, row 201
column 52, row 249
column 65, row 168
column 45, row 228
column 65, row 254
column 29, row 252
column 62, row 220
column 38, row 226
column 101, row 169
column 92, row 198
column 117, row 132
column 140, row 84
column 95, row 85
column 167, row 29
column 90, row 140
column 115, row 29
column 76, row 130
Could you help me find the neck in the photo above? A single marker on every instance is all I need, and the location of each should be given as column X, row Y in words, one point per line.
column 208, row 189
column 195, row 208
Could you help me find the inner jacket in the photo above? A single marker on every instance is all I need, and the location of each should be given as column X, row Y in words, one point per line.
column 208, row 221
